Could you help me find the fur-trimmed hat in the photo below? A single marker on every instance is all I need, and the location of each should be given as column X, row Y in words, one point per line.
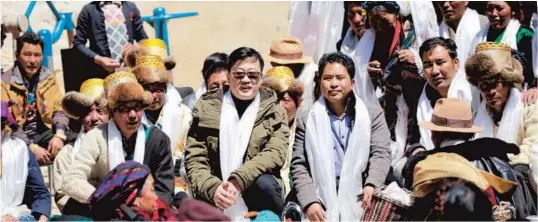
column 493, row 60
column 281, row 79
column 150, row 69
column 122, row 87
column 151, row 46
column 78, row 104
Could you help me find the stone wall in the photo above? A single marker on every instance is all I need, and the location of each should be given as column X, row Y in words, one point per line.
column 219, row 27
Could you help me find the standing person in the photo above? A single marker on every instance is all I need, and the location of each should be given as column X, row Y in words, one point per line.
column 288, row 51
column 111, row 27
column 123, row 138
column 42, row 124
column 85, row 107
column 454, row 14
column 502, row 113
column 25, row 196
column 238, row 142
column 289, row 92
column 504, row 27
column 356, row 16
column 341, row 138
column 214, row 73
column 389, row 67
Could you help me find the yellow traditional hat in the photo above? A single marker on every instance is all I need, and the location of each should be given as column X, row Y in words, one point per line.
column 78, row 104
column 122, row 87
column 154, row 46
column 281, row 79
column 152, row 61
column 450, row 165
column 493, row 60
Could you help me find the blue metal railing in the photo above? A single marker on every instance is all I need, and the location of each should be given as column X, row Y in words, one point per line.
column 64, row 21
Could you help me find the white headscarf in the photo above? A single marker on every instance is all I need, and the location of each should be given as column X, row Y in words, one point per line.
column 341, row 205
column 15, row 159
column 234, row 136
column 115, row 145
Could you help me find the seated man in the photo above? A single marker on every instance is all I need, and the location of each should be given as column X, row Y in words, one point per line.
column 122, row 138
column 238, row 142
column 21, row 182
column 290, row 92
column 83, row 106
column 502, row 113
column 215, row 73
column 173, row 119
column 441, row 65
column 340, row 139
column 452, row 130
column 37, row 96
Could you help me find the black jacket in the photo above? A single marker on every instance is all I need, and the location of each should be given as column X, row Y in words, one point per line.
column 490, row 155
column 91, row 26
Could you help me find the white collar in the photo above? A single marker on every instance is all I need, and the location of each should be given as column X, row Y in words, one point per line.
column 451, row 143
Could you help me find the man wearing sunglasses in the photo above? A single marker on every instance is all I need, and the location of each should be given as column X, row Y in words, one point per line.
column 238, row 142
column 123, row 138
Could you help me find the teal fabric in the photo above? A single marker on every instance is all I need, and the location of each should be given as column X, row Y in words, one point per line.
column 266, row 215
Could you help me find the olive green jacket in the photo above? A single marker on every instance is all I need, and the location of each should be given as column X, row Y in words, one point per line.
column 266, row 152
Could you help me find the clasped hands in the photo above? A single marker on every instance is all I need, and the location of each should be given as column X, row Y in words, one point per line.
column 227, row 194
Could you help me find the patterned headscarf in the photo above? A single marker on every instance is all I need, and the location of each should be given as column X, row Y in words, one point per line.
column 124, row 182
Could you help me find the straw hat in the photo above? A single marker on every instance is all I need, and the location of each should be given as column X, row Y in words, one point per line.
column 78, row 104
column 287, row 50
column 451, row 115
column 493, row 60
column 450, row 165
column 123, row 87
column 281, row 79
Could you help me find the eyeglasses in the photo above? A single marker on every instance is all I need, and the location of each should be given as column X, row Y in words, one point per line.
column 254, row 76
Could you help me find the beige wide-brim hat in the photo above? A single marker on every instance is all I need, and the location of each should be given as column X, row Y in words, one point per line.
column 451, row 115
column 287, row 50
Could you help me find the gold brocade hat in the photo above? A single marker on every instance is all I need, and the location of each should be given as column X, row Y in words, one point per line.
column 154, row 46
column 493, row 61
column 78, row 104
column 450, row 165
column 150, row 60
column 123, row 87
column 281, row 79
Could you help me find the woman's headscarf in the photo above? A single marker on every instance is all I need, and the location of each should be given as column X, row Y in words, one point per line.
column 124, row 182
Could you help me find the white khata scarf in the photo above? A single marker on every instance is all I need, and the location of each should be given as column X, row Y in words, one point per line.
column 234, row 136
column 509, row 35
column 465, row 33
column 458, row 89
column 510, row 122
column 15, row 159
column 76, row 146
column 341, row 205
column 115, row 145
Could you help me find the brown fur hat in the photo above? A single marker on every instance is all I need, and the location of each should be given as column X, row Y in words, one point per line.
column 148, row 74
column 122, row 87
column 493, row 60
column 78, row 104
column 135, row 52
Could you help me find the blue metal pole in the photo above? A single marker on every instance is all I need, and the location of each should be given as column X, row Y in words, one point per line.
column 47, row 51
column 28, row 12
column 58, row 29
column 53, row 9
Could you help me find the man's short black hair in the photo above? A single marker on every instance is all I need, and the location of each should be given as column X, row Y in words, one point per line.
column 30, row 38
column 521, row 57
column 215, row 62
column 244, row 53
column 447, row 43
column 337, row 57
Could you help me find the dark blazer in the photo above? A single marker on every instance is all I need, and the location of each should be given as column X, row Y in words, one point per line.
column 91, row 25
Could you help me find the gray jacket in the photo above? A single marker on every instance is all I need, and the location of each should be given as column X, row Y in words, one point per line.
column 378, row 164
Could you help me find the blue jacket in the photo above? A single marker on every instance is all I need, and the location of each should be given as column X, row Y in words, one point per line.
column 36, row 194
column 91, row 25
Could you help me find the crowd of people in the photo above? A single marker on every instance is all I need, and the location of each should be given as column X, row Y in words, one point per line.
column 445, row 112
